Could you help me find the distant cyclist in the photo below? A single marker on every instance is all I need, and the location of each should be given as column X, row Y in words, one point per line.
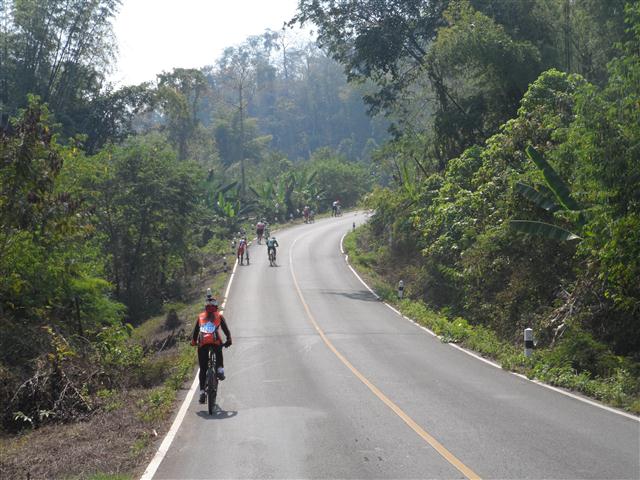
column 260, row 226
column 272, row 243
column 243, row 250
column 305, row 212
column 205, row 341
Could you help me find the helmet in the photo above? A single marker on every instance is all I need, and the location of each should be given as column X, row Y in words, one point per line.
column 211, row 306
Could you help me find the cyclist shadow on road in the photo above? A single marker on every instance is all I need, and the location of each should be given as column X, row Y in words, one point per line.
column 362, row 295
column 218, row 414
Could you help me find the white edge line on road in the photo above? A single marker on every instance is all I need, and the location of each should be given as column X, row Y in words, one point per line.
column 166, row 443
column 482, row 359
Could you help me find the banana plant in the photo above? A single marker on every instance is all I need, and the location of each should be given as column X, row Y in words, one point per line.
column 554, row 197
column 228, row 206
column 270, row 197
column 308, row 191
column 214, row 188
column 409, row 183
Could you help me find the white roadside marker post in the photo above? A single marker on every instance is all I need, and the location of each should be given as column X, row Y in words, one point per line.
column 528, row 342
column 400, row 289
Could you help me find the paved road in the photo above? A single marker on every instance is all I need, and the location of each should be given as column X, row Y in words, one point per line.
column 324, row 381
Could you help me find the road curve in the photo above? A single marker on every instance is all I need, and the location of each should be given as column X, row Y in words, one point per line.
column 324, row 381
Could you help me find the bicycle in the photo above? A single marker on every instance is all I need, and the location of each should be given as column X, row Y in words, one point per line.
column 272, row 258
column 211, row 389
column 211, row 386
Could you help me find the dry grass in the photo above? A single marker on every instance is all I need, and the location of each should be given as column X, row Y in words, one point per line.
column 104, row 443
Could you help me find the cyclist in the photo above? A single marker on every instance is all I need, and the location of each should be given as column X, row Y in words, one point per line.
column 272, row 243
column 246, row 248
column 242, row 248
column 260, row 226
column 334, row 209
column 306, row 211
column 206, row 341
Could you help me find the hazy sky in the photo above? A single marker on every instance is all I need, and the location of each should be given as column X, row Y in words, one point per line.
column 157, row 35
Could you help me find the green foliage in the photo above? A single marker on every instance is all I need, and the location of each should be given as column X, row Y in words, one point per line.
column 540, row 198
column 160, row 400
column 58, row 50
column 387, row 51
column 578, row 179
column 144, row 201
column 110, row 399
column 337, row 179
column 543, row 229
column 46, row 274
column 554, row 182
column 178, row 95
column 115, row 351
column 581, row 352
column 578, row 362
column 494, row 69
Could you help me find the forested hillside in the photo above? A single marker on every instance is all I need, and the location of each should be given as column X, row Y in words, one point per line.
column 513, row 178
column 115, row 201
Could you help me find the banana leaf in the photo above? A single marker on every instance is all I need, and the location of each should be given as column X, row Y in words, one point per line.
column 554, row 181
column 228, row 187
column 543, row 229
column 539, row 198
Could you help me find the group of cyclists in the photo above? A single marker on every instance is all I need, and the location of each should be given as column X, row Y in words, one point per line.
column 206, row 332
column 262, row 232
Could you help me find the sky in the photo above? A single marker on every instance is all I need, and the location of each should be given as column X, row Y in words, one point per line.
column 158, row 35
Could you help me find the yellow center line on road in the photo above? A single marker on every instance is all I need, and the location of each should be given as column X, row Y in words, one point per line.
column 435, row 444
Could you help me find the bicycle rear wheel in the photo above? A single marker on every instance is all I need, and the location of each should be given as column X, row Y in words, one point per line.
column 212, row 390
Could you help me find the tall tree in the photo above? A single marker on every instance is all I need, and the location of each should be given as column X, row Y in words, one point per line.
column 179, row 94
column 236, row 68
column 59, row 50
column 382, row 40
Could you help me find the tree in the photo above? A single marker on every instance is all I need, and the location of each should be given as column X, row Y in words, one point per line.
column 382, row 40
column 145, row 201
column 59, row 50
column 179, row 94
column 110, row 115
column 236, row 68
column 478, row 74
column 48, row 269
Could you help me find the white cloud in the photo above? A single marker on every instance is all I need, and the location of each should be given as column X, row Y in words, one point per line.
column 157, row 35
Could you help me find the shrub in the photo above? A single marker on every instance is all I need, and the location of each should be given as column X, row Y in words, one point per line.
column 172, row 321
column 580, row 351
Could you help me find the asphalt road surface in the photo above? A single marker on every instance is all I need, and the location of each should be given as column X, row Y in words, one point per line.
column 325, row 381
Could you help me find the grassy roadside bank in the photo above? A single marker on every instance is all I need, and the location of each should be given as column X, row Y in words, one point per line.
column 553, row 366
column 131, row 416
